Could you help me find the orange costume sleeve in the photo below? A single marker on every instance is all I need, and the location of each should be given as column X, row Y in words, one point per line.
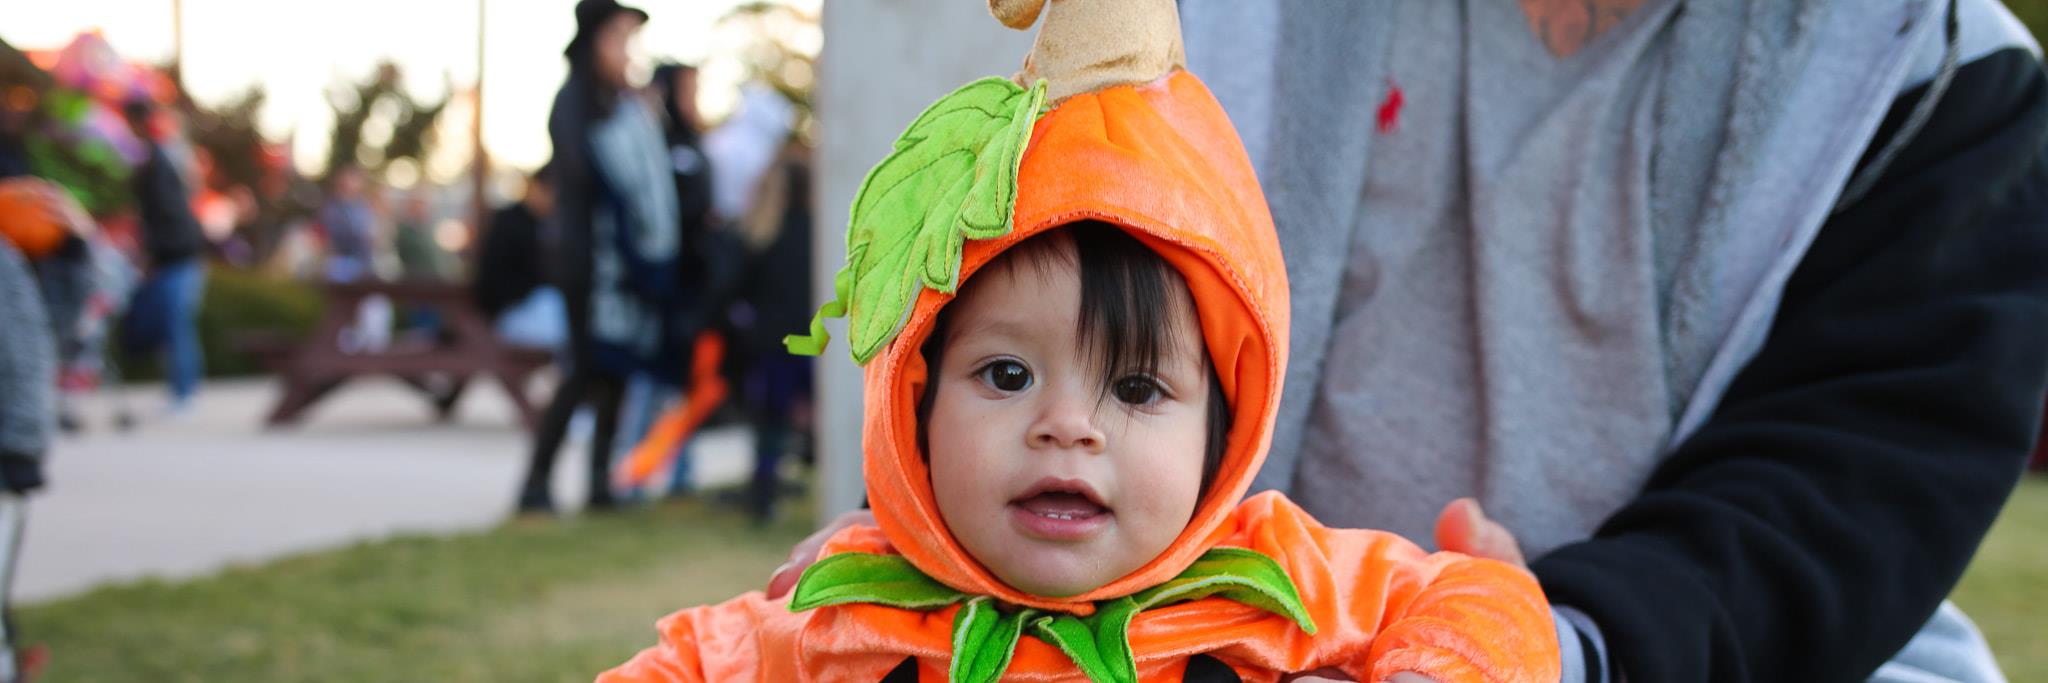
column 1382, row 605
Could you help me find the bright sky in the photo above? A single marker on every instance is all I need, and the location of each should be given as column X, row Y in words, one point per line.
column 296, row 49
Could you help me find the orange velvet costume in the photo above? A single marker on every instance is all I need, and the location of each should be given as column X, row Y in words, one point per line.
column 1162, row 161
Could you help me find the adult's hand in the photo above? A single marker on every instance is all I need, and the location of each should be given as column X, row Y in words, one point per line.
column 1464, row 528
column 1461, row 528
column 806, row 552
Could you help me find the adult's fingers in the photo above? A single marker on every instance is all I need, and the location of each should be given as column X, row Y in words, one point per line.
column 1464, row 528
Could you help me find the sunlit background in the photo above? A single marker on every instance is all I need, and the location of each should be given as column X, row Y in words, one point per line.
column 229, row 47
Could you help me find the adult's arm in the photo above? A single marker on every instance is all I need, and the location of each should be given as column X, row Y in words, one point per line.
column 28, row 380
column 1814, row 523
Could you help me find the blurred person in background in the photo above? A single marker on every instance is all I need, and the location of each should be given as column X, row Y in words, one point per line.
column 419, row 256
column 675, row 86
column 775, row 293
column 420, row 259
column 707, row 264
column 745, row 147
column 350, row 225
column 762, row 188
column 617, row 217
column 513, row 284
column 349, row 218
column 173, row 244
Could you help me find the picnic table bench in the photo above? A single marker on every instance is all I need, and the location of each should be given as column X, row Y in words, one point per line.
column 440, row 365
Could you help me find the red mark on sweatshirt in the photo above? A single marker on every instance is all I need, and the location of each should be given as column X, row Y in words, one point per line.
column 1390, row 110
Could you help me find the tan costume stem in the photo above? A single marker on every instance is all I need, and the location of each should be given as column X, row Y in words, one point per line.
column 1089, row 45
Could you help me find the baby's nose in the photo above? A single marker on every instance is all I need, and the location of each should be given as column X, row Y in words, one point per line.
column 1068, row 424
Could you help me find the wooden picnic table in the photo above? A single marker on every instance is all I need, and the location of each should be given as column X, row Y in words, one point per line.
column 440, row 365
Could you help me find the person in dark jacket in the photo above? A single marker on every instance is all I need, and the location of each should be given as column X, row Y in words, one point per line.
column 617, row 219
column 1734, row 314
column 174, row 245
column 676, row 86
column 512, row 284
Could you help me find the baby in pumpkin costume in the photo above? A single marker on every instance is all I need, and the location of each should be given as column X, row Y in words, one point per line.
column 1070, row 303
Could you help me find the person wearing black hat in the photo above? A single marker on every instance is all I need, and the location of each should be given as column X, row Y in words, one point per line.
column 616, row 218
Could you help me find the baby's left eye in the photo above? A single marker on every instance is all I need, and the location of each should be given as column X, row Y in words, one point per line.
column 1136, row 391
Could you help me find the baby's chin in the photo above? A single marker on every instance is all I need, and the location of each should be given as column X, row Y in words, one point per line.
column 1055, row 573
column 1055, row 585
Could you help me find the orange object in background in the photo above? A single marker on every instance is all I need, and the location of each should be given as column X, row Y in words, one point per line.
column 707, row 390
column 37, row 216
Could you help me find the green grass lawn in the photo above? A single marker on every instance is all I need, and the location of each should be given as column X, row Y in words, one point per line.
column 561, row 600
column 534, row 600
column 2006, row 589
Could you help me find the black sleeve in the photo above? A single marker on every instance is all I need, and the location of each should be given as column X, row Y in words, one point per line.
column 575, row 185
column 507, row 261
column 1813, row 524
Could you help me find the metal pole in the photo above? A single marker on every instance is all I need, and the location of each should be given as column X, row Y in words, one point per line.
column 480, row 164
column 178, row 44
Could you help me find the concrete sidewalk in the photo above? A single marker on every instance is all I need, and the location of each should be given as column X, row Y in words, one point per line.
column 190, row 495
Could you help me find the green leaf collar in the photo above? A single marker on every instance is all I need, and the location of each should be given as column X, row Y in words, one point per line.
column 985, row 635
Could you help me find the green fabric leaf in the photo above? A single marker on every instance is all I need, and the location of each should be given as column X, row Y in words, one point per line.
column 984, row 638
column 952, row 177
column 1102, row 654
column 1236, row 574
column 869, row 578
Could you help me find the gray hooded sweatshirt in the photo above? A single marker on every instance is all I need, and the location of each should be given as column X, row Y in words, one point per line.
column 1531, row 279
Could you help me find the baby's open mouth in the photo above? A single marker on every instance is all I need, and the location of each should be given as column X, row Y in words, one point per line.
column 1061, row 505
column 1060, row 510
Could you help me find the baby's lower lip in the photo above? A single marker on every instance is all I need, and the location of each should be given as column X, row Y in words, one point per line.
column 1058, row 526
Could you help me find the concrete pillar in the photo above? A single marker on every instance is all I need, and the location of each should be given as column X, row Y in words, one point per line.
column 883, row 62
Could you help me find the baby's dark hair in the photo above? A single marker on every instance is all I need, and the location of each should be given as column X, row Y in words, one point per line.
column 1127, row 297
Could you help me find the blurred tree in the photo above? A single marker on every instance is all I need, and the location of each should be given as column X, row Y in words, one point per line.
column 61, row 146
column 382, row 100
column 228, row 132
column 17, row 71
column 780, row 51
column 243, row 160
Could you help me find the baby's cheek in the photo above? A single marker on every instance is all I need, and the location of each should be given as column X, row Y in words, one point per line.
column 1167, row 500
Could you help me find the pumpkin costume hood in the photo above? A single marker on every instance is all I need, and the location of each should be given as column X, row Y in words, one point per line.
column 1102, row 124
column 1160, row 160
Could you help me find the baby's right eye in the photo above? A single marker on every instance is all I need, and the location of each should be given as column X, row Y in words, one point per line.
column 1006, row 376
